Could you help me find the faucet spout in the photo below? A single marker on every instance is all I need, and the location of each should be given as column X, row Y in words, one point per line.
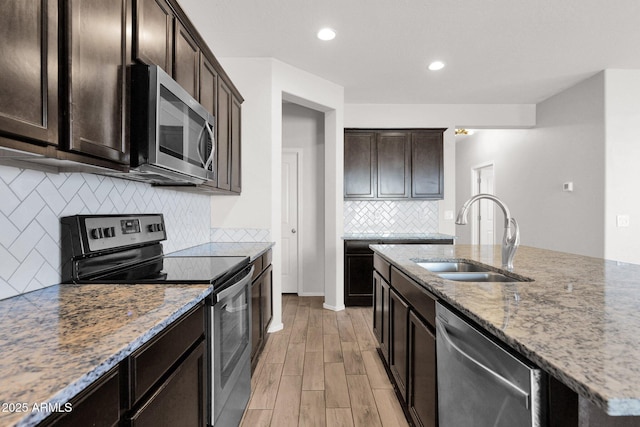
column 511, row 236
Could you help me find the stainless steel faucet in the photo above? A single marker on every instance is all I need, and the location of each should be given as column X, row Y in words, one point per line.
column 511, row 237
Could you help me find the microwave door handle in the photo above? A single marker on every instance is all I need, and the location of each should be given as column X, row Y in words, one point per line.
column 199, row 150
column 213, row 148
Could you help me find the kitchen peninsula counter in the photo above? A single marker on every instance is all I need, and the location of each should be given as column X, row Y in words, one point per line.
column 56, row 341
column 578, row 319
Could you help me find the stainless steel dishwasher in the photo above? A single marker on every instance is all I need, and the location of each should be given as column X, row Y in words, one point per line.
column 480, row 383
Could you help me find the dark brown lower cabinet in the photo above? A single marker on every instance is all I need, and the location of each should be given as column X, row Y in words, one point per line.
column 261, row 305
column 407, row 342
column 163, row 383
column 97, row 406
column 358, row 267
column 377, row 305
column 181, row 399
column 398, row 343
column 422, row 400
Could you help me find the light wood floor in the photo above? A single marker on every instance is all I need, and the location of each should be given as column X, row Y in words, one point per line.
column 322, row 369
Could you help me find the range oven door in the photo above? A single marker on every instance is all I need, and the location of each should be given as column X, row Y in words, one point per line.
column 231, row 350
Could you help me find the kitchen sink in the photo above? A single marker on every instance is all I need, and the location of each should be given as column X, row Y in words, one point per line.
column 461, row 271
column 478, row 276
column 450, row 266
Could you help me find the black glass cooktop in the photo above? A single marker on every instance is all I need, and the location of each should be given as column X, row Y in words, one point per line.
column 176, row 270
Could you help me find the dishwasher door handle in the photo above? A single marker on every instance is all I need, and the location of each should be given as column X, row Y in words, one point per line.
column 481, row 369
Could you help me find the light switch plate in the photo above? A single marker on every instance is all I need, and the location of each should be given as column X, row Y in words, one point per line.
column 622, row 220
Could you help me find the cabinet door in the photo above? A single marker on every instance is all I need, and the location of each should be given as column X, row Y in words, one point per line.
column 378, row 295
column 235, row 151
column 394, row 165
column 359, row 165
column 181, row 398
column 386, row 320
column 223, row 139
column 187, row 60
column 256, row 317
column 427, row 175
column 265, row 300
column 358, row 279
column 29, row 70
column 422, row 400
column 398, row 340
column 154, row 33
column 98, row 406
column 98, row 40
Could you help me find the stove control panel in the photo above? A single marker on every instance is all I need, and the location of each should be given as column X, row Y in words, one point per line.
column 108, row 232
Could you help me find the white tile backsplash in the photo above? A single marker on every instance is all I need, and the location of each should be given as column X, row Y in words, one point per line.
column 225, row 235
column 405, row 216
column 32, row 202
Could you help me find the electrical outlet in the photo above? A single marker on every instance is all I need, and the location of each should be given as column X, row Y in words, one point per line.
column 448, row 214
column 622, row 221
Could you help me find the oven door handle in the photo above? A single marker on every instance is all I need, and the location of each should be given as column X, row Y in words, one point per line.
column 234, row 288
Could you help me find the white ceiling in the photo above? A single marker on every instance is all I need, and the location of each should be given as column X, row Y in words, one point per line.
column 496, row 51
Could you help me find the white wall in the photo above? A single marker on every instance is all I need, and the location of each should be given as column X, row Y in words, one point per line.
column 303, row 129
column 264, row 83
column 622, row 116
column 531, row 166
column 447, row 116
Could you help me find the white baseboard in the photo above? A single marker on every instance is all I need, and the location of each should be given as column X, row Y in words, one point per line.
column 275, row 327
column 330, row 307
column 311, row 294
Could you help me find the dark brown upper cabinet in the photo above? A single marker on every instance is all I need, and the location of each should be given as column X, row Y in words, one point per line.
column 427, row 172
column 154, row 34
column 29, row 71
column 236, row 149
column 359, row 164
column 223, row 140
column 186, row 66
column 393, row 164
column 98, row 47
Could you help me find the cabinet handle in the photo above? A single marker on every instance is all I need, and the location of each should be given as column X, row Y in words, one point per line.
column 294, row 231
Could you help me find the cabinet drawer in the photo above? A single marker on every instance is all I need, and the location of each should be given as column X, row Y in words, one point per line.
column 359, row 246
column 382, row 266
column 151, row 362
column 181, row 398
column 267, row 258
column 423, row 302
column 257, row 268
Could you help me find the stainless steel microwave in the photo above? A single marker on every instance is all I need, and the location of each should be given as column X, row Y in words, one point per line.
column 172, row 135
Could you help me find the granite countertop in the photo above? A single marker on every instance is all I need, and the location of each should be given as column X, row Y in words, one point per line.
column 397, row 236
column 578, row 320
column 56, row 341
column 251, row 249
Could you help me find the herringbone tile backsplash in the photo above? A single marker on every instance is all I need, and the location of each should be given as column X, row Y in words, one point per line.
column 32, row 202
column 390, row 217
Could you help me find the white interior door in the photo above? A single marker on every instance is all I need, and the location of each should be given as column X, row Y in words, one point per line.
column 484, row 212
column 290, row 235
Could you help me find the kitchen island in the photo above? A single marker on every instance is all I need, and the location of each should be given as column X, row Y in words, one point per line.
column 578, row 319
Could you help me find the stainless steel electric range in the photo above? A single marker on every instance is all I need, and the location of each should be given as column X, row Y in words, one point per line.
column 127, row 249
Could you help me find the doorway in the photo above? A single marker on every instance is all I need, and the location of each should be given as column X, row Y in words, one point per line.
column 483, row 212
column 291, row 160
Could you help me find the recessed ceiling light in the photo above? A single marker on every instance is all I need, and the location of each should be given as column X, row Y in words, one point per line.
column 436, row 65
column 326, row 34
